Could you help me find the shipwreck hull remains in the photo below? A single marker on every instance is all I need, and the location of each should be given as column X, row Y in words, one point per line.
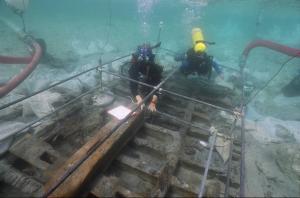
column 163, row 154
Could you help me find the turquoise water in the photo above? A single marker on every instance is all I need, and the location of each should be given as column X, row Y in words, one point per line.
column 230, row 23
column 80, row 31
column 74, row 29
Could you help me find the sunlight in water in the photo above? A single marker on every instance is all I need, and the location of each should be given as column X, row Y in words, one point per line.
column 144, row 9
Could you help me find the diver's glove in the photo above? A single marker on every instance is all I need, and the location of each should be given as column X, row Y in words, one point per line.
column 152, row 105
column 139, row 100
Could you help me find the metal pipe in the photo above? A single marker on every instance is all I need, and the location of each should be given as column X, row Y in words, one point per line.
column 199, row 101
column 230, row 160
column 172, row 93
column 60, row 82
column 242, row 166
column 182, row 121
column 243, row 111
column 19, row 78
column 120, row 76
column 212, row 145
column 256, row 43
column 271, row 45
column 55, row 111
column 15, row 60
column 98, row 143
column 129, row 79
column 175, row 118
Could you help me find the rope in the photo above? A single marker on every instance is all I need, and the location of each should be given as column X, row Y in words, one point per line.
column 22, row 17
column 271, row 79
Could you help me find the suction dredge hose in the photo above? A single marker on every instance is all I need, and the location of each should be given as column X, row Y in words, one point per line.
column 271, row 45
column 293, row 52
column 31, row 62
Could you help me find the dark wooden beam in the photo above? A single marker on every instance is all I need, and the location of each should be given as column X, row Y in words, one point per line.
column 98, row 160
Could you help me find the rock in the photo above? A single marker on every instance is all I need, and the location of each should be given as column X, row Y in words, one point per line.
column 41, row 104
column 223, row 147
column 224, row 83
column 103, row 99
column 5, row 144
column 288, row 159
column 273, row 106
column 7, row 129
column 72, row 88
column 293, row 88
column 270, row 130
column 11, row 113
column 284, row 133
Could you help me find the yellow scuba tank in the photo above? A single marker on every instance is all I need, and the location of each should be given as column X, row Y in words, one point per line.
column 198, row 38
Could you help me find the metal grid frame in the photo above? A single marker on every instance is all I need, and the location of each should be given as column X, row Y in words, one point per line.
column 155, row 88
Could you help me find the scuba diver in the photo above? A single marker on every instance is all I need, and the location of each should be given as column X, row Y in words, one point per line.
column 196, row 60
column 144, row 69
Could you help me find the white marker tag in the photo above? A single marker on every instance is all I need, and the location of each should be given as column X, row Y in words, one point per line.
column 119, row 112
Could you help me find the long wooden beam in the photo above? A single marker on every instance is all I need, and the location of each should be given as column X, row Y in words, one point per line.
column 98, row 160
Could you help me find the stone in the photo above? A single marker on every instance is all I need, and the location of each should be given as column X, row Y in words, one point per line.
column 293, row 88
column 41, row 104
column 103, row 99
column 7, row 129
column 13, row 111
column 288, row 159
column 223, row 147
column 284, row 133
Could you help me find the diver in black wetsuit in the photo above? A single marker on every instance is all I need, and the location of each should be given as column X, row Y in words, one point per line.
column 144, row 69
column 196, row 60
column 199, row 62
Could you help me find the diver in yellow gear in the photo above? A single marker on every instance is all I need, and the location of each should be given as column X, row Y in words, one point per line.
column 196, row 59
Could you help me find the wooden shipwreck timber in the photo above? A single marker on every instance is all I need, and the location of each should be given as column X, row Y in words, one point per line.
column 190, row 148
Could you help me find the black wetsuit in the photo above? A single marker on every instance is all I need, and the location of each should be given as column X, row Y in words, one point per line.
column 200, row 63
column 146, row 72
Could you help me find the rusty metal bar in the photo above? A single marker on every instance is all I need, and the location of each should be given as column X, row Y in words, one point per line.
column 61, row 82
column 172, row 93
column 199, row 101
column 55, row 111
column 211, row 149
column 242, row 166
column 230, row 160
column 182, row 121
column 95, row 146
column 176, row 118
column 243, row 111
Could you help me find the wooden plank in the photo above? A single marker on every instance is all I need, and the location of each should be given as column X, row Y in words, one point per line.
column 19, row 180
column 38, row 153
column 164, row 179
column 98, row 160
